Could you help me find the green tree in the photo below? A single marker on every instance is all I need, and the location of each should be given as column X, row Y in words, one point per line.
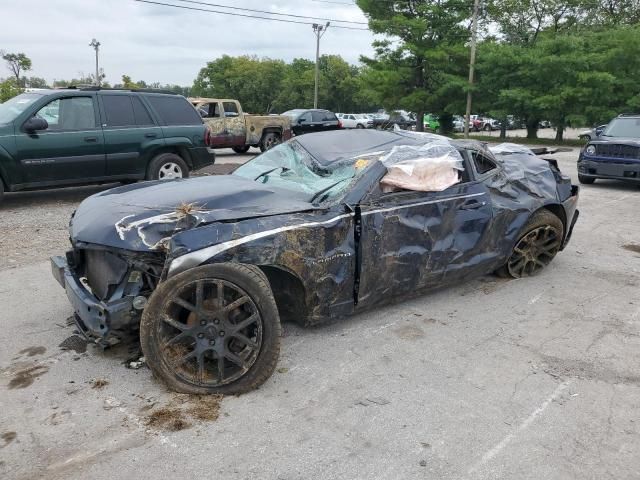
column 409, row 71
column 254, row 82
column 36, row 82
column 8, row 89
column 17, row 63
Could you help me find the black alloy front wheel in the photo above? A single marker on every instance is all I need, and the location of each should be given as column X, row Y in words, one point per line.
column 212, row 329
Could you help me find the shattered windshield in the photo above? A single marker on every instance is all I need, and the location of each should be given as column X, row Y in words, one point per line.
column 623, row 127
column 290, row 167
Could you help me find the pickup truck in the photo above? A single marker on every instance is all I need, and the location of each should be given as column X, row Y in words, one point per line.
column 230, row 127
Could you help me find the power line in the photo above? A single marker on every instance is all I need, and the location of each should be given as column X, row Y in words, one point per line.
column 268, row 12
column 282, row 20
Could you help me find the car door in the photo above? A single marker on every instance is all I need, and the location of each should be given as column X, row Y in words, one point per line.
column 129, row 132
column 305, row 124
column 349, row 121
column 234, row 126
column 415, row 240
column 70, row 149
column 212, row 115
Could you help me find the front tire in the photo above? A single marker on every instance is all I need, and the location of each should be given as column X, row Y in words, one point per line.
column 243, row 149
column 359, row 125
column 212, row 329
column 270, row 140
column 167, row 166
column 586, row 180
column 487, row 128
column 536, row 247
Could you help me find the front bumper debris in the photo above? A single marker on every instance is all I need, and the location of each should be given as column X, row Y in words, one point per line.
column 95, row 318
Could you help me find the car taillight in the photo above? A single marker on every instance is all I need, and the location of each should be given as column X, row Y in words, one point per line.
column 207, row 137
column 339, row 124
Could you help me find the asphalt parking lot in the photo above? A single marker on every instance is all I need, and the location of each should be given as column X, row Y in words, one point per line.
column 492, row 379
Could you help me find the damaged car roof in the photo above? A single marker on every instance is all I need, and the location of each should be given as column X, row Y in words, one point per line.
column 329, row 147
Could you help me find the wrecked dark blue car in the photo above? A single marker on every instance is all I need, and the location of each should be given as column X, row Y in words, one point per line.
column 323, row 226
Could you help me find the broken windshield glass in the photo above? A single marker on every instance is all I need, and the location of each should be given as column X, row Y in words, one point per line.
column 290, row 167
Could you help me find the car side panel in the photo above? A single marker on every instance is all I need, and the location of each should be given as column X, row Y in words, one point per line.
column 318, row 248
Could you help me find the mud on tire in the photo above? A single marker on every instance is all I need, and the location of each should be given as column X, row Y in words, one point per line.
column 212, row 329
column 536, row 247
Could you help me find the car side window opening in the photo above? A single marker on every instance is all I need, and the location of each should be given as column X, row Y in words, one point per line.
column 118, row 110
column 72, row 113
column 318, row 116
column 230, row 109
column 425, row 176
column 330, row 117
column 481, row 163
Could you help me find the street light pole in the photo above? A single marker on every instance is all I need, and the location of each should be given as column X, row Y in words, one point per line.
column 96, row 46
column 472, row 64
column 319, row 31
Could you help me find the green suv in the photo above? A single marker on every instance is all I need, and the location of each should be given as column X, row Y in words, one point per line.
column 64, row 137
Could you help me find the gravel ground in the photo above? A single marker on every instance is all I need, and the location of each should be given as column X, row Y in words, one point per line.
column 527, row 379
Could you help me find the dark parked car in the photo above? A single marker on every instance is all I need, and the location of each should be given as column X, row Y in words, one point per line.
column 401, row 119
column 77, row 136
column 304, row 232
column 310, row 121
column 614, row 154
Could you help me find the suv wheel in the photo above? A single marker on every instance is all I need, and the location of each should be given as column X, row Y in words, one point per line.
column 359, row 125
column 269, row 140
column 487, row 128
column 167, row 166
column 243, row 149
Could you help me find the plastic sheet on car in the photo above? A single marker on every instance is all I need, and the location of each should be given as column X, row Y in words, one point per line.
column 431, row 167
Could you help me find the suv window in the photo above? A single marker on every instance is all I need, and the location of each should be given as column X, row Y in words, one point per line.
column 318, row 116
column 72, row 113
column 118, row 110
column 305, row 117
column 174, row 110
column 141, row 113
column 230, row 109
column 482, row 163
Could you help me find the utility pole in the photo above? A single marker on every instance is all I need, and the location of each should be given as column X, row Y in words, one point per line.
column 472, row 64
column 319, row 31
column 96, row 46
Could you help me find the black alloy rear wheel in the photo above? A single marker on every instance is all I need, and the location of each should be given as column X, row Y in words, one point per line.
column 536, row 248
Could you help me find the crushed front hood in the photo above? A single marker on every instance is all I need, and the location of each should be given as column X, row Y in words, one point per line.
column 144, row 216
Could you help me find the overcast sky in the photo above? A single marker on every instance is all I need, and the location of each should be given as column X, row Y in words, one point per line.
column 164, row 44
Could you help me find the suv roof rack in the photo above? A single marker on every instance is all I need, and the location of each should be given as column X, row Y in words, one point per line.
column 96, row 88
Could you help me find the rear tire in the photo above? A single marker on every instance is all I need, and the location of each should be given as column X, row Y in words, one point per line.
column 167, row 166
column 585, row 180
column 359, row 125
column 536, row 247
column 269, row 140
column 243, row 149
column 212, row 329
column 487, row 128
